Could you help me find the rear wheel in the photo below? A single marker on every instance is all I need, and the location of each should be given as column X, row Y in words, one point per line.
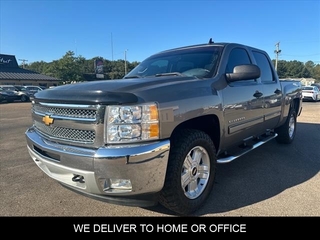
column 287, row 131
column 190, row 172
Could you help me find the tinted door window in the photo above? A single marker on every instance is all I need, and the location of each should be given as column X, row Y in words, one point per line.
column 238, row 56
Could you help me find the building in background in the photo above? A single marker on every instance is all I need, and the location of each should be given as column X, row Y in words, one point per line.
column 12, row 74
column 304, row 81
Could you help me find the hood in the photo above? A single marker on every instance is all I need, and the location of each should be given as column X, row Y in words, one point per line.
column 118, row 91
column 8, row 92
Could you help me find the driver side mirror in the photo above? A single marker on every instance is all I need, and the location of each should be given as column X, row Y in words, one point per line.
column 244, row 72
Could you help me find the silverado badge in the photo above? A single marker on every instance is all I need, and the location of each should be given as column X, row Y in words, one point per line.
column 47, row 120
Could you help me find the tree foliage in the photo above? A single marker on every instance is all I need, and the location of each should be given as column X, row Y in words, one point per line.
column 296, row 69
column 71, row 68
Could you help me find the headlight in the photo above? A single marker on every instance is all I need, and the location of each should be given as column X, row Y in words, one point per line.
column 132, row 123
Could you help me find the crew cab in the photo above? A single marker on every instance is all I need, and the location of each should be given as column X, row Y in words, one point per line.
column 156, row 135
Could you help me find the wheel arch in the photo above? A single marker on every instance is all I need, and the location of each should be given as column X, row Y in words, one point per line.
column 209, row 124
column 297, row 105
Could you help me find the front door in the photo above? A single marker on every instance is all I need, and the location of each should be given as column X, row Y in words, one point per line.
column 242, row 103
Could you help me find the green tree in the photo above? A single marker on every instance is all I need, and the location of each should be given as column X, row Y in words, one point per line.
column 316, row 73
column 294, row 69
column 39, row 67
column 282, row 69
column 68, row 68
column 310, row 67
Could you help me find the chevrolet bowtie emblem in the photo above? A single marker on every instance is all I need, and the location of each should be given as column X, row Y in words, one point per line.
column 47, row 120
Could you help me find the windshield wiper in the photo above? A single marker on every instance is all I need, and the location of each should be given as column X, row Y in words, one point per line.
column 169, row 74
column 133, row 76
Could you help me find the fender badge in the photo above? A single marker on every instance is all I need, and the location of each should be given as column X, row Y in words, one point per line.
column 47, row 120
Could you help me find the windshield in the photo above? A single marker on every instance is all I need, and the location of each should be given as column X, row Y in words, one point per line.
column 200, row 62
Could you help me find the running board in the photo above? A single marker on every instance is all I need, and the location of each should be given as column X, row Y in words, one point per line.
column 230, row 158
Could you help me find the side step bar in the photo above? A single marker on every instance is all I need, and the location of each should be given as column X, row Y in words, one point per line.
column 230, row 158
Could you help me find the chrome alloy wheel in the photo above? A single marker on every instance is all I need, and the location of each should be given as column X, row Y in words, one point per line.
column 291, row 126
column 195, row 172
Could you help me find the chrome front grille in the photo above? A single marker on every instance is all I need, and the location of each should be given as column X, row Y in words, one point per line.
column 76, row 135
column 66, row 112
column 79, row 124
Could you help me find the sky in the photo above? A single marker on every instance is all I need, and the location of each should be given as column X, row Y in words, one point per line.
column 45, row 30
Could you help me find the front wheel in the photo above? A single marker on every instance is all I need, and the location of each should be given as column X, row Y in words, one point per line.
column 190, row 172
column 287, row 131
column 24, row 98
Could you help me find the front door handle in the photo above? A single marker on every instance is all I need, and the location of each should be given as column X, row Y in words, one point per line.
column 258, row 94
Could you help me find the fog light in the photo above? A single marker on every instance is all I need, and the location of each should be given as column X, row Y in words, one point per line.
column 121, row 184
column 117, row 185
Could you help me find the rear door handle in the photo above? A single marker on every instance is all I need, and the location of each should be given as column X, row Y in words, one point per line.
column 277, row 91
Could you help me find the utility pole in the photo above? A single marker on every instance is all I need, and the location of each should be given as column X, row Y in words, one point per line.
column 23, row 62
column 277, row 51
column 111, row 48
column 125, row 62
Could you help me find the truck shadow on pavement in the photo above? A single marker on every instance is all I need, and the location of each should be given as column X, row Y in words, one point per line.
column 263, row 173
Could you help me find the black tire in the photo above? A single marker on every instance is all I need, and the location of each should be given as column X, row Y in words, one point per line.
column 287, row 131
column 198, row 176
column 24, row 98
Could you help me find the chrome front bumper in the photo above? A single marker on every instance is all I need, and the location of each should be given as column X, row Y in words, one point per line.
column 88, row 171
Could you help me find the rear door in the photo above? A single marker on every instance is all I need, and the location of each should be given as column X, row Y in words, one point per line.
column 271, row 89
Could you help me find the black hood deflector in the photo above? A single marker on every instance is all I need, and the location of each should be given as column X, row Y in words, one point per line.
column 121, row 91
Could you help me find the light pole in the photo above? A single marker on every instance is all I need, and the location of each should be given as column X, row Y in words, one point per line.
column 125, row 62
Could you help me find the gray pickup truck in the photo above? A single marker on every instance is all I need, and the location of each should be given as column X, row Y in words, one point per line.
column 156, row 135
